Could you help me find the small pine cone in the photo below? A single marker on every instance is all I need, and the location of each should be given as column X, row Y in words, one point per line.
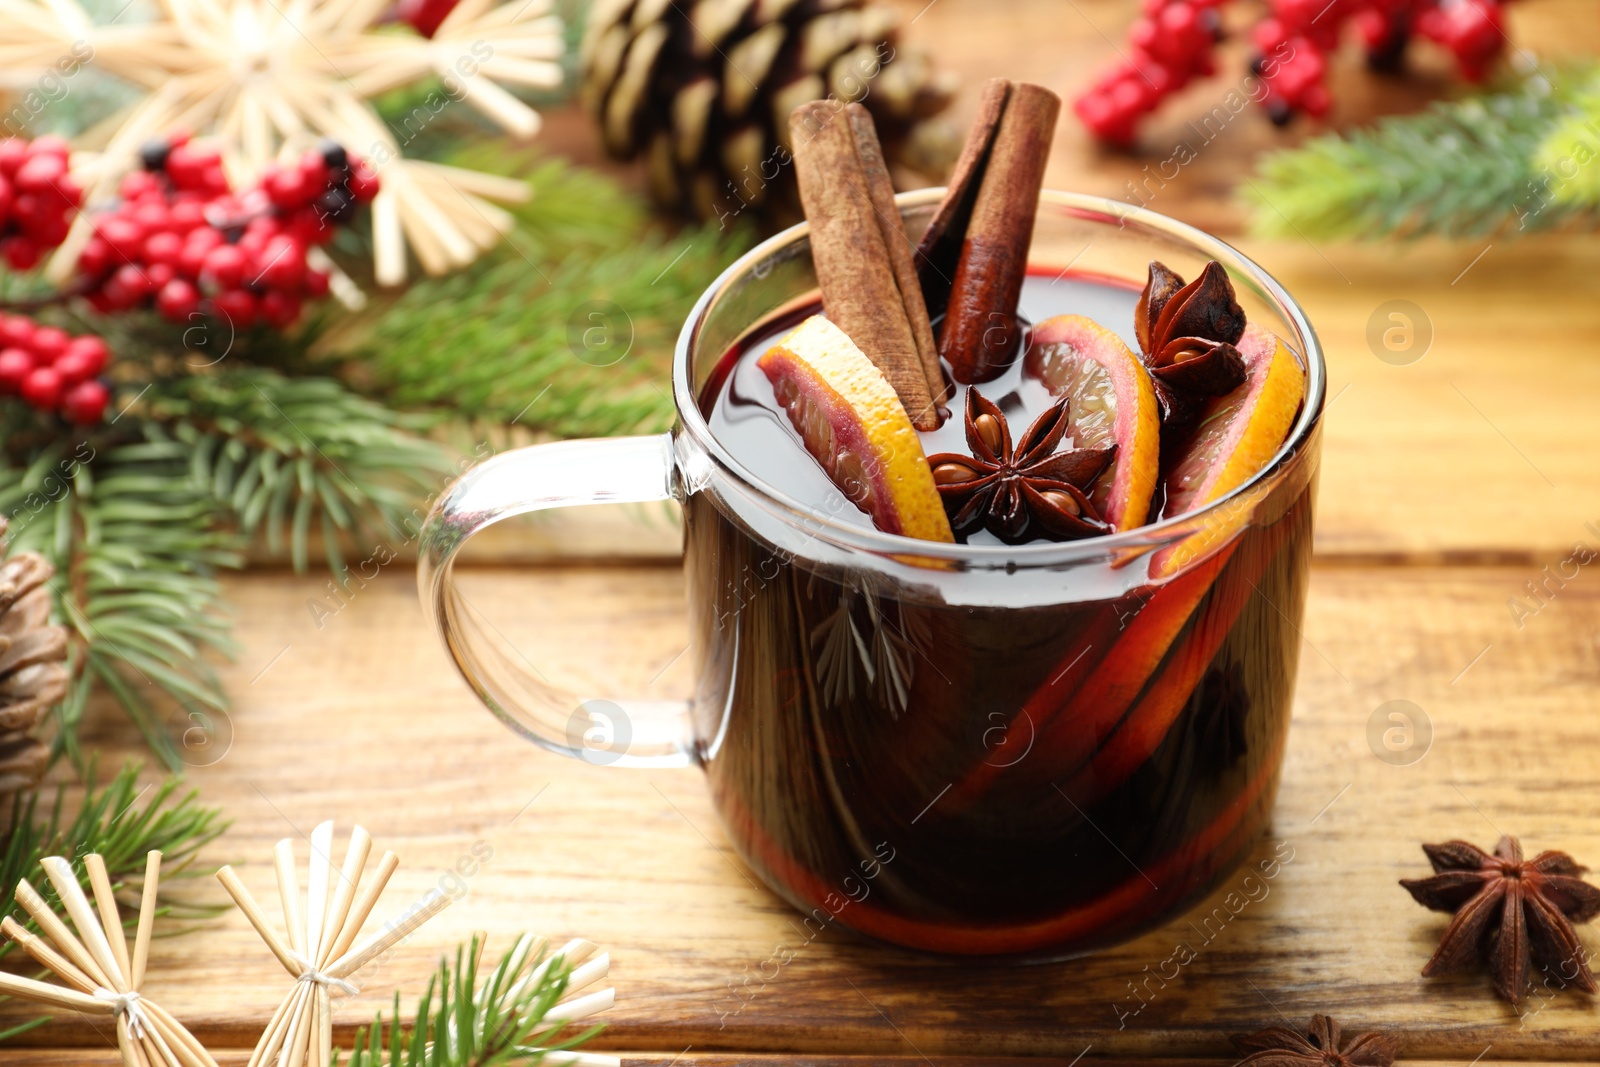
column 33, row 673
column 703, row 90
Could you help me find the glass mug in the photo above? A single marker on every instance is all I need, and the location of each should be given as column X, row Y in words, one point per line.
column 983, row 750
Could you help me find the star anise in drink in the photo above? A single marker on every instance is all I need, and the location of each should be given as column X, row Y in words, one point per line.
column 1020, row 491
column 1509, row 912
column 1279, row 1046
column 1187, row 333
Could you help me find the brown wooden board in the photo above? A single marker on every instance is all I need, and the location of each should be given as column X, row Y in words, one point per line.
column 363, row 719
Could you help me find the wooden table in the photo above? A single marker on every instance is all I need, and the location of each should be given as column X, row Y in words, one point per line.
column 1447, row 485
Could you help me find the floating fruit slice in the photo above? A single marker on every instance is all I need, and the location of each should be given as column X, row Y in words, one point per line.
column 853, row 424
column 1239, row 432
column 1112, row 403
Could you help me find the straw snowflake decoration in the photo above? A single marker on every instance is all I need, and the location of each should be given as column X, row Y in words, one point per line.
column 102, row 977
column 267, row 78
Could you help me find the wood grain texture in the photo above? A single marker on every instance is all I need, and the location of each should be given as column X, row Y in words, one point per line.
column 364, row 720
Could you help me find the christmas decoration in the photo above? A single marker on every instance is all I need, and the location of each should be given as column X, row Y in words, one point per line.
column 704, row 93
column 269, row 82
column 1173, row 42
column 36, row 197
column 33, row 673
column 102, row 975
column 53, row 371
column 182, row 241
column 1499, row 163
column 319, row 953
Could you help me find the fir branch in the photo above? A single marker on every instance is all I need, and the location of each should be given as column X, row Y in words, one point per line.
column 136, row 546
column 462, row 1024
column 1462, row 168
column 575, row 347
column 282, row 457
column 122, row 825
column 1570, row 152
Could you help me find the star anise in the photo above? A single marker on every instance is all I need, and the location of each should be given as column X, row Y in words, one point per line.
column 1509, row 912
column 1188, row 333
column 1279, row 1046
column 1022, row 491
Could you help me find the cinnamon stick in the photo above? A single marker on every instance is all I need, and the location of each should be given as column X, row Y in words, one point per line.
column 850, row 251
column 880, row 190
column 981, row 335
column 940, row 248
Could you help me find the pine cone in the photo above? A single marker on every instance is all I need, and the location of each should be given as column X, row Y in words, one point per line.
column 33, row 672
column 703, row 88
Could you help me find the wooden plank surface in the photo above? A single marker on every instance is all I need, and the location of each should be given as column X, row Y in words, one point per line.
column 363, row 720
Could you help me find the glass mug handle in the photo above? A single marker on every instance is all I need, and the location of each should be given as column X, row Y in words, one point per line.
column 562, row 474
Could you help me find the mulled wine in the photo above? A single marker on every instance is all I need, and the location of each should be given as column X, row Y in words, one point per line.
column 967, row 773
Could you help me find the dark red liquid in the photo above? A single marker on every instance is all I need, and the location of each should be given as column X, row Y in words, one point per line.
column 1035, row 762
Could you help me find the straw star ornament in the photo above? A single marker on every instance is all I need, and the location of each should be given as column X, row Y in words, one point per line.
column 268, row 79
column 320, row 953
column 102, row 977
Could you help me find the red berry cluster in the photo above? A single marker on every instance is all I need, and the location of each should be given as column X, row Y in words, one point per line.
column 52, row 370
column 182, row 241
column 37, row 198
column 1173, row 42
column 1307, row 31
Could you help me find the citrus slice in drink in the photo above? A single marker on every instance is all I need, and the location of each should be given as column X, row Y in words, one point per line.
column 1112, row 402
column 1239, row 433
column 851, row 421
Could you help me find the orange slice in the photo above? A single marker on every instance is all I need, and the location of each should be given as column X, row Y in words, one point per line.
column 1240, row 432
column 1112, row 403
column 852, row 423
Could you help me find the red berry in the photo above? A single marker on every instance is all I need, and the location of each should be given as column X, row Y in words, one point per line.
column 283, row 263
column 315, row 284
column 67, row 193
column 15, row 365
column 49, row 342
column 279, row 308
column 86, row 402
column 48, row 229
column 42, row 388
column 163, row 247
column 50, row 145
column 307, row 227
column 95, row 257
column 225, row 266
column 184, row 168
column 178, row 300
column 114, row 296
column 90, row 349
column 132, row 279
column 314, row 170
column 160, row 274
column 138, row 183
column 363, row 183
column 124, row 237
column 13, row 153
column 20, row 252
column 6, row 197
column 152, row 217
column 16, row 331
column 214, row 179
column 39, row 173
column 238, row 306
column 187, row 215
column 289, row 188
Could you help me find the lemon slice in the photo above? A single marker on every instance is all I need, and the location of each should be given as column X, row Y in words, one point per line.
column 851, row 421
column 1112, row 402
